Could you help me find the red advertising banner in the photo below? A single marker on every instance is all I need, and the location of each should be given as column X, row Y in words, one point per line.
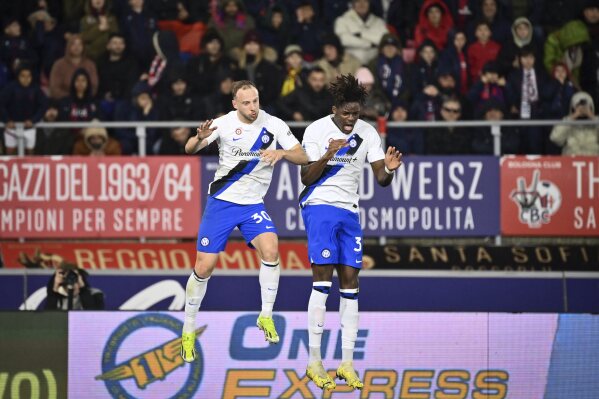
column 148, row 256
column 91, row 197
column 549, row 196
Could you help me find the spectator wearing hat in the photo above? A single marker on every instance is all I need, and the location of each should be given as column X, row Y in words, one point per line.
column 211, row 62
column 165, row 62
column 566, row 45
column 21, row 101
column 254, row 66
column 335, row 60
column 96, row 142
column 14, row 47
column 306, row 30
column 309, row 102
column 376, row 103
column 138, row 25
column 454, row 59
column 578, row 140
column 360, row 31
column 63, row 69
column 118, row 73
column 389, row 69
column 482, row 138
column 434, row 23
column 483, row 50
column 522, row 35
column 232, row 23
column 47, row 40
column 295, row 72
column 490, row 86
column 449, row 140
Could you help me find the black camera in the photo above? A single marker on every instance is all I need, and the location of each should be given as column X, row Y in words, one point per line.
column 71, row 278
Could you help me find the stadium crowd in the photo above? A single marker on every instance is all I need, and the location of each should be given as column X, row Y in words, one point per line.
column 421, row 60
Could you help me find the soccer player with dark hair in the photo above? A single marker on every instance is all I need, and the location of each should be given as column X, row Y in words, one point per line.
column 247, row 139
column 337, row 147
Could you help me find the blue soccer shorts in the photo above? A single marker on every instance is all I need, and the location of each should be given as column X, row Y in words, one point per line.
column 334, row 235
column 221, row 217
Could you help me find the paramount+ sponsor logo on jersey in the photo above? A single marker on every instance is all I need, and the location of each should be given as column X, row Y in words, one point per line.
column 276, row 379
column 238, row 152
column 154, row 364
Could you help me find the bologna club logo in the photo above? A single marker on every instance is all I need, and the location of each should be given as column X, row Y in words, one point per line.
column 537, row 202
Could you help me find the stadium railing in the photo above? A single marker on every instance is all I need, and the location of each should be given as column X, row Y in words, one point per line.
column 140, row 128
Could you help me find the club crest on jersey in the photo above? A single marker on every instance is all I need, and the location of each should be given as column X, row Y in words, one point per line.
column 326, row 253
column 205, row 241
column 265, row 139
column 238, row 131
column 353, row 143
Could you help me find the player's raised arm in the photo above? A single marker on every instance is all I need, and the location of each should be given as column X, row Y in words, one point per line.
column 200, row 140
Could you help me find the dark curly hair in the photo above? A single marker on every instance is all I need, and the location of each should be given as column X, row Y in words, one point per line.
column 346, row 89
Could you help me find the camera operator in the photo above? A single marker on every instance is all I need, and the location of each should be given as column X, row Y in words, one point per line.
column 69, row 289
column 578, row 140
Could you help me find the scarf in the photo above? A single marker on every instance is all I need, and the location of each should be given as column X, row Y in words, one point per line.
column 290, row 82
column 530, row 93
column 156, row 69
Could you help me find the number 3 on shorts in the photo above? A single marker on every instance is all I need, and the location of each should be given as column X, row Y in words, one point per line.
column 359, row 244
column 259, row 218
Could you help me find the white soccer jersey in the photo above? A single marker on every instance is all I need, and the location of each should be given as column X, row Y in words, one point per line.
column 338, row 184
column 241, row 177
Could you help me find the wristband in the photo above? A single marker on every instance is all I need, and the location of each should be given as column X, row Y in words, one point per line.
column 389, row 172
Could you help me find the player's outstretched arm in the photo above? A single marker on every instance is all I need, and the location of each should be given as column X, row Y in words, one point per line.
column 313, row 171
column 384, row 169
column 197, row 142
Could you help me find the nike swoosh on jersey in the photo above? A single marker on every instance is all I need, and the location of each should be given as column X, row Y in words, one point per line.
column 237, row 138
column 270, row 227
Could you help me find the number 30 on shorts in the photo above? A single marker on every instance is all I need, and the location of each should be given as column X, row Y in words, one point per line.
column 259, row 217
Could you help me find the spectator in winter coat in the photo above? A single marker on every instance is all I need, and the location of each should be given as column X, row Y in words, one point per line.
column 14, row 47
column 232, row 23
column 389, row 69
column 566, row 45
column 360, row 31
column 578, row 140
column 118, row 73
column 491, row 12
column 47, row 39
column 490, row 86
column 306, row 30
column 562, row 90
column 335, row 60
column 424, row 70
column 407, row 140
column 308, row 103
column 522, row 35
column 96, row 142
column 434, row 23
column 454, row 58
column 449, row 140
column 96, row 27
column 138, row 26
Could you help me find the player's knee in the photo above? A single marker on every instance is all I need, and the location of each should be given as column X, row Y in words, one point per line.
column 204, row 267
column 270, row 255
